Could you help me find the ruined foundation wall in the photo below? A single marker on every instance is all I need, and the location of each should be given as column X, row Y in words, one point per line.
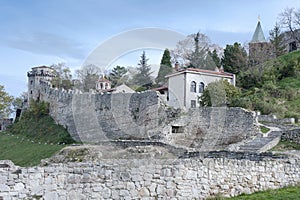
column 196, row 178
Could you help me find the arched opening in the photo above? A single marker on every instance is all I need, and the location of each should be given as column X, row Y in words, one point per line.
column 201, row 87
column 193, row 86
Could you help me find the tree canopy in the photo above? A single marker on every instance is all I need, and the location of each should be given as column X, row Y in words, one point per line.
column 165, row 68
column 143, row 76
column 235, row 58
column 63, row 76
column 219, row 93
column 5, row 102
column 116, row 75
column 276, row 40
column 88, row 75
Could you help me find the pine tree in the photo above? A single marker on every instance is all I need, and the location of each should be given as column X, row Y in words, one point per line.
column 234, row 59
column 276, row 39
column 198, row 56
column 165, row 68
column 116, row 75
column 215, row 58
column 143, row 77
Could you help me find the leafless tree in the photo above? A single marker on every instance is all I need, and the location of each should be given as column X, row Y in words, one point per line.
column 193, row 50
column 88, row 75
column 290, row 19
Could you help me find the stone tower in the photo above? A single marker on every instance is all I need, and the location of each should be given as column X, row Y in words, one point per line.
column 259, row 48
column 35, row 76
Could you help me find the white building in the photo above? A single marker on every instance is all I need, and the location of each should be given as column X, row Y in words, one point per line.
column 104, row 85
column 187, row 85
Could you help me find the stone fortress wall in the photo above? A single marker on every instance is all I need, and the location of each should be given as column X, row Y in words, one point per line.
column 91, row 117
column 144, row 117
column 192, row 178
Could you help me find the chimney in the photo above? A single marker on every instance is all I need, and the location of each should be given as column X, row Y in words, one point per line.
column 222, row 69
column 177, row 66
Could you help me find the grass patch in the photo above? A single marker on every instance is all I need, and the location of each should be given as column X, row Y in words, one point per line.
column 292, row 192
column 34, row 137
column 286, row 145
column 23, row 152
column 264, row 129
column 279, row 194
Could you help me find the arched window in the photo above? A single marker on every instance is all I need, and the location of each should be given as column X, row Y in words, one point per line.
column 201, row 87
column 101, row 86
column 106, row 85
column 193, row 86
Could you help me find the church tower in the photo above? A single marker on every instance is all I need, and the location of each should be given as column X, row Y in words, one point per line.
column 259, row 48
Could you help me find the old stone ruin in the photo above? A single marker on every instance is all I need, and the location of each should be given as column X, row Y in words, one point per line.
column 136, row 147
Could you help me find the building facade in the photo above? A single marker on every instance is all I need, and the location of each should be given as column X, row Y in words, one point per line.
column 187, row 85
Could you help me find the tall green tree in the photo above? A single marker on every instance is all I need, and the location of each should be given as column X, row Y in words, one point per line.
column 234, row 59
column 276, row 39
column 116, row 75
column 63, row 78
column 215, row 57
column 165, row 68
column 5, row 103
column 143, row 76
column 198, row 58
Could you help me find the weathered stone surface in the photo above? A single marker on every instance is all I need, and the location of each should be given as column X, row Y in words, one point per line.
column 199, row 177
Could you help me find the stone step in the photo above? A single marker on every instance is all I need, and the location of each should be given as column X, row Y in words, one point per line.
column 260, row 144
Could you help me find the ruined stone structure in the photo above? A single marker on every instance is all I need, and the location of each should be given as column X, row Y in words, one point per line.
column 143, row 116
column 193, row 178
column 194, row 168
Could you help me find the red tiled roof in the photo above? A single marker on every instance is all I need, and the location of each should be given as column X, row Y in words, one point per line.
column 203, row 71
column 102, row 79
column 161, row 88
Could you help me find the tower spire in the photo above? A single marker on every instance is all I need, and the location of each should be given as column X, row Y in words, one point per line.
column 258, row 35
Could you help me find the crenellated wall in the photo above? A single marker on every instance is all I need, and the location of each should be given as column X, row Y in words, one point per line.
column 192, row 178
column 97, row 117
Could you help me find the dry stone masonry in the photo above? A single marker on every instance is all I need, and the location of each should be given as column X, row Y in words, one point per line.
column 192, row 178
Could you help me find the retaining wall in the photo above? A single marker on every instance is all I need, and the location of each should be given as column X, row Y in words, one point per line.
column 192, row 178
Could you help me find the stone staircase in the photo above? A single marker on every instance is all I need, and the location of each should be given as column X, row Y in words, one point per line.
column 261, row 143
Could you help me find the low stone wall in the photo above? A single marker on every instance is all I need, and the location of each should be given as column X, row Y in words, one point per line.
column 291, row 135
column 190, row 178
column 274, row 119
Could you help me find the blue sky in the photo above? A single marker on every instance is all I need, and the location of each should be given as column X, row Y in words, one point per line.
column 35, row 32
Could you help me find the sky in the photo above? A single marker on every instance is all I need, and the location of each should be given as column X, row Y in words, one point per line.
column 35, row 32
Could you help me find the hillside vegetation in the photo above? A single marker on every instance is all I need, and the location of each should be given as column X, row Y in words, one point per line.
column 272, row 87
column 34, row 137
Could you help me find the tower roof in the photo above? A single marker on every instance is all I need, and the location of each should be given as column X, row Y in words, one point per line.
column 258, row 35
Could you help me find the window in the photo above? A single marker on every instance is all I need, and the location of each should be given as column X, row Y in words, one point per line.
column 193, row 86
column 292, row 46
column 193, row 103
column 31, row 82
column 201, row 87
column 177, row 129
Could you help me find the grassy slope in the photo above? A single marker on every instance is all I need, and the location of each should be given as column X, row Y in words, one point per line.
column 23, row 152
column 36, row 136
